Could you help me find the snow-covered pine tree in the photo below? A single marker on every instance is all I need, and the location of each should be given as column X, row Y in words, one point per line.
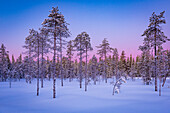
column 19, row 67
column 70, row 55
column 137, row 66
column 79, row 45
column 52, row 24
column 145, row 63
column 115, row 62
column 155, row 35
column 88, row 47
column 122, row 65
column 10, row 71
column 100, row 69
column 36, row 51
column 3, row 63
column 163, row 66
column 63, row 33
column 57, row 26
column 104, row 49
column 45, row 46
column 127, row 67
column 109, row 66
column 94, row 68
column 65, row 65
column 29, row 68
column 167, row 65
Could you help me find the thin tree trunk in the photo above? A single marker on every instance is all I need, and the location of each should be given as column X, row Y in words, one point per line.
column 38, row 71
column 29, row 67
column 105, row 69
column 42, row 67
column 159, row 86
column 155, row 64
column 116, row 70
column 86, row 72
column 10, row 82
column 61, row 67
column 80, row 70
column 95, row 75
column 70, row 71
column 54, row 66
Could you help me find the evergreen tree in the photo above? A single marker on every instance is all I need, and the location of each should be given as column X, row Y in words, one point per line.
column 3, row 63
column 115, row 62
column 155, row 36
column 122, row 64
column 104, row 49
column 70, row 55
column 79, row 44
column 88, row 47
column 145, row 63
column 57, row 26
column 94, row 68
column 45, row 46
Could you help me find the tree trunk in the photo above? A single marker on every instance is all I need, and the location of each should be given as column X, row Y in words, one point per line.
column 29, row 67
column 54, row 66
column 38, row 71
column 61, row 67
column 86, row 72
column 80, row 69
column 159, row 86
column 105, row 69
column 42, row 67
column 70, row 71
column 155, row 63
column 10, row 82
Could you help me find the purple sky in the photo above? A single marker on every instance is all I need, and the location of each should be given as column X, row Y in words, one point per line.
column 122, row 22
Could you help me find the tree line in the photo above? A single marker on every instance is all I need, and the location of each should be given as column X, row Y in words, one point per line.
column 51, row 38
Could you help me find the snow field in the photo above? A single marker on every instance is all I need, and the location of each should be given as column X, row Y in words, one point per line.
column 134, row 97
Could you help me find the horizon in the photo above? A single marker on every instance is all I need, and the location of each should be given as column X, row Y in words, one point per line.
column 121, row 22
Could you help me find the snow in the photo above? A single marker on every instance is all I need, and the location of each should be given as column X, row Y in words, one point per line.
column 134, row 97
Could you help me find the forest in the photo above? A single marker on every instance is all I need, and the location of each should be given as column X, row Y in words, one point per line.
column 153, row 63
column 78, row 58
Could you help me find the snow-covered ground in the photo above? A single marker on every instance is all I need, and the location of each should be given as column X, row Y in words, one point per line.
column 134, row 97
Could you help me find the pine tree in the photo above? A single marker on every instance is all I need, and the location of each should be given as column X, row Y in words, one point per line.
column 122, row 64
column 88, row 47
column 145, row 63
column 104, row 49
column 29, row 47
column 115, row 62
column 167, row 65
column 94, row 68
column 79, row 45
column 45, row 46
column 163, row 66
column 19, row 67
column 70, row 55
column 3, row 63
column 57, row 26
column 52, row 24
column 36, row 50
column 155, row 36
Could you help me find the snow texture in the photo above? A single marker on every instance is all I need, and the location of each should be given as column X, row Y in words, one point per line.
column 134, row 97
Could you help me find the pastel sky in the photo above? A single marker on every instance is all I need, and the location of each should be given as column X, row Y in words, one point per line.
column 122, row 22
